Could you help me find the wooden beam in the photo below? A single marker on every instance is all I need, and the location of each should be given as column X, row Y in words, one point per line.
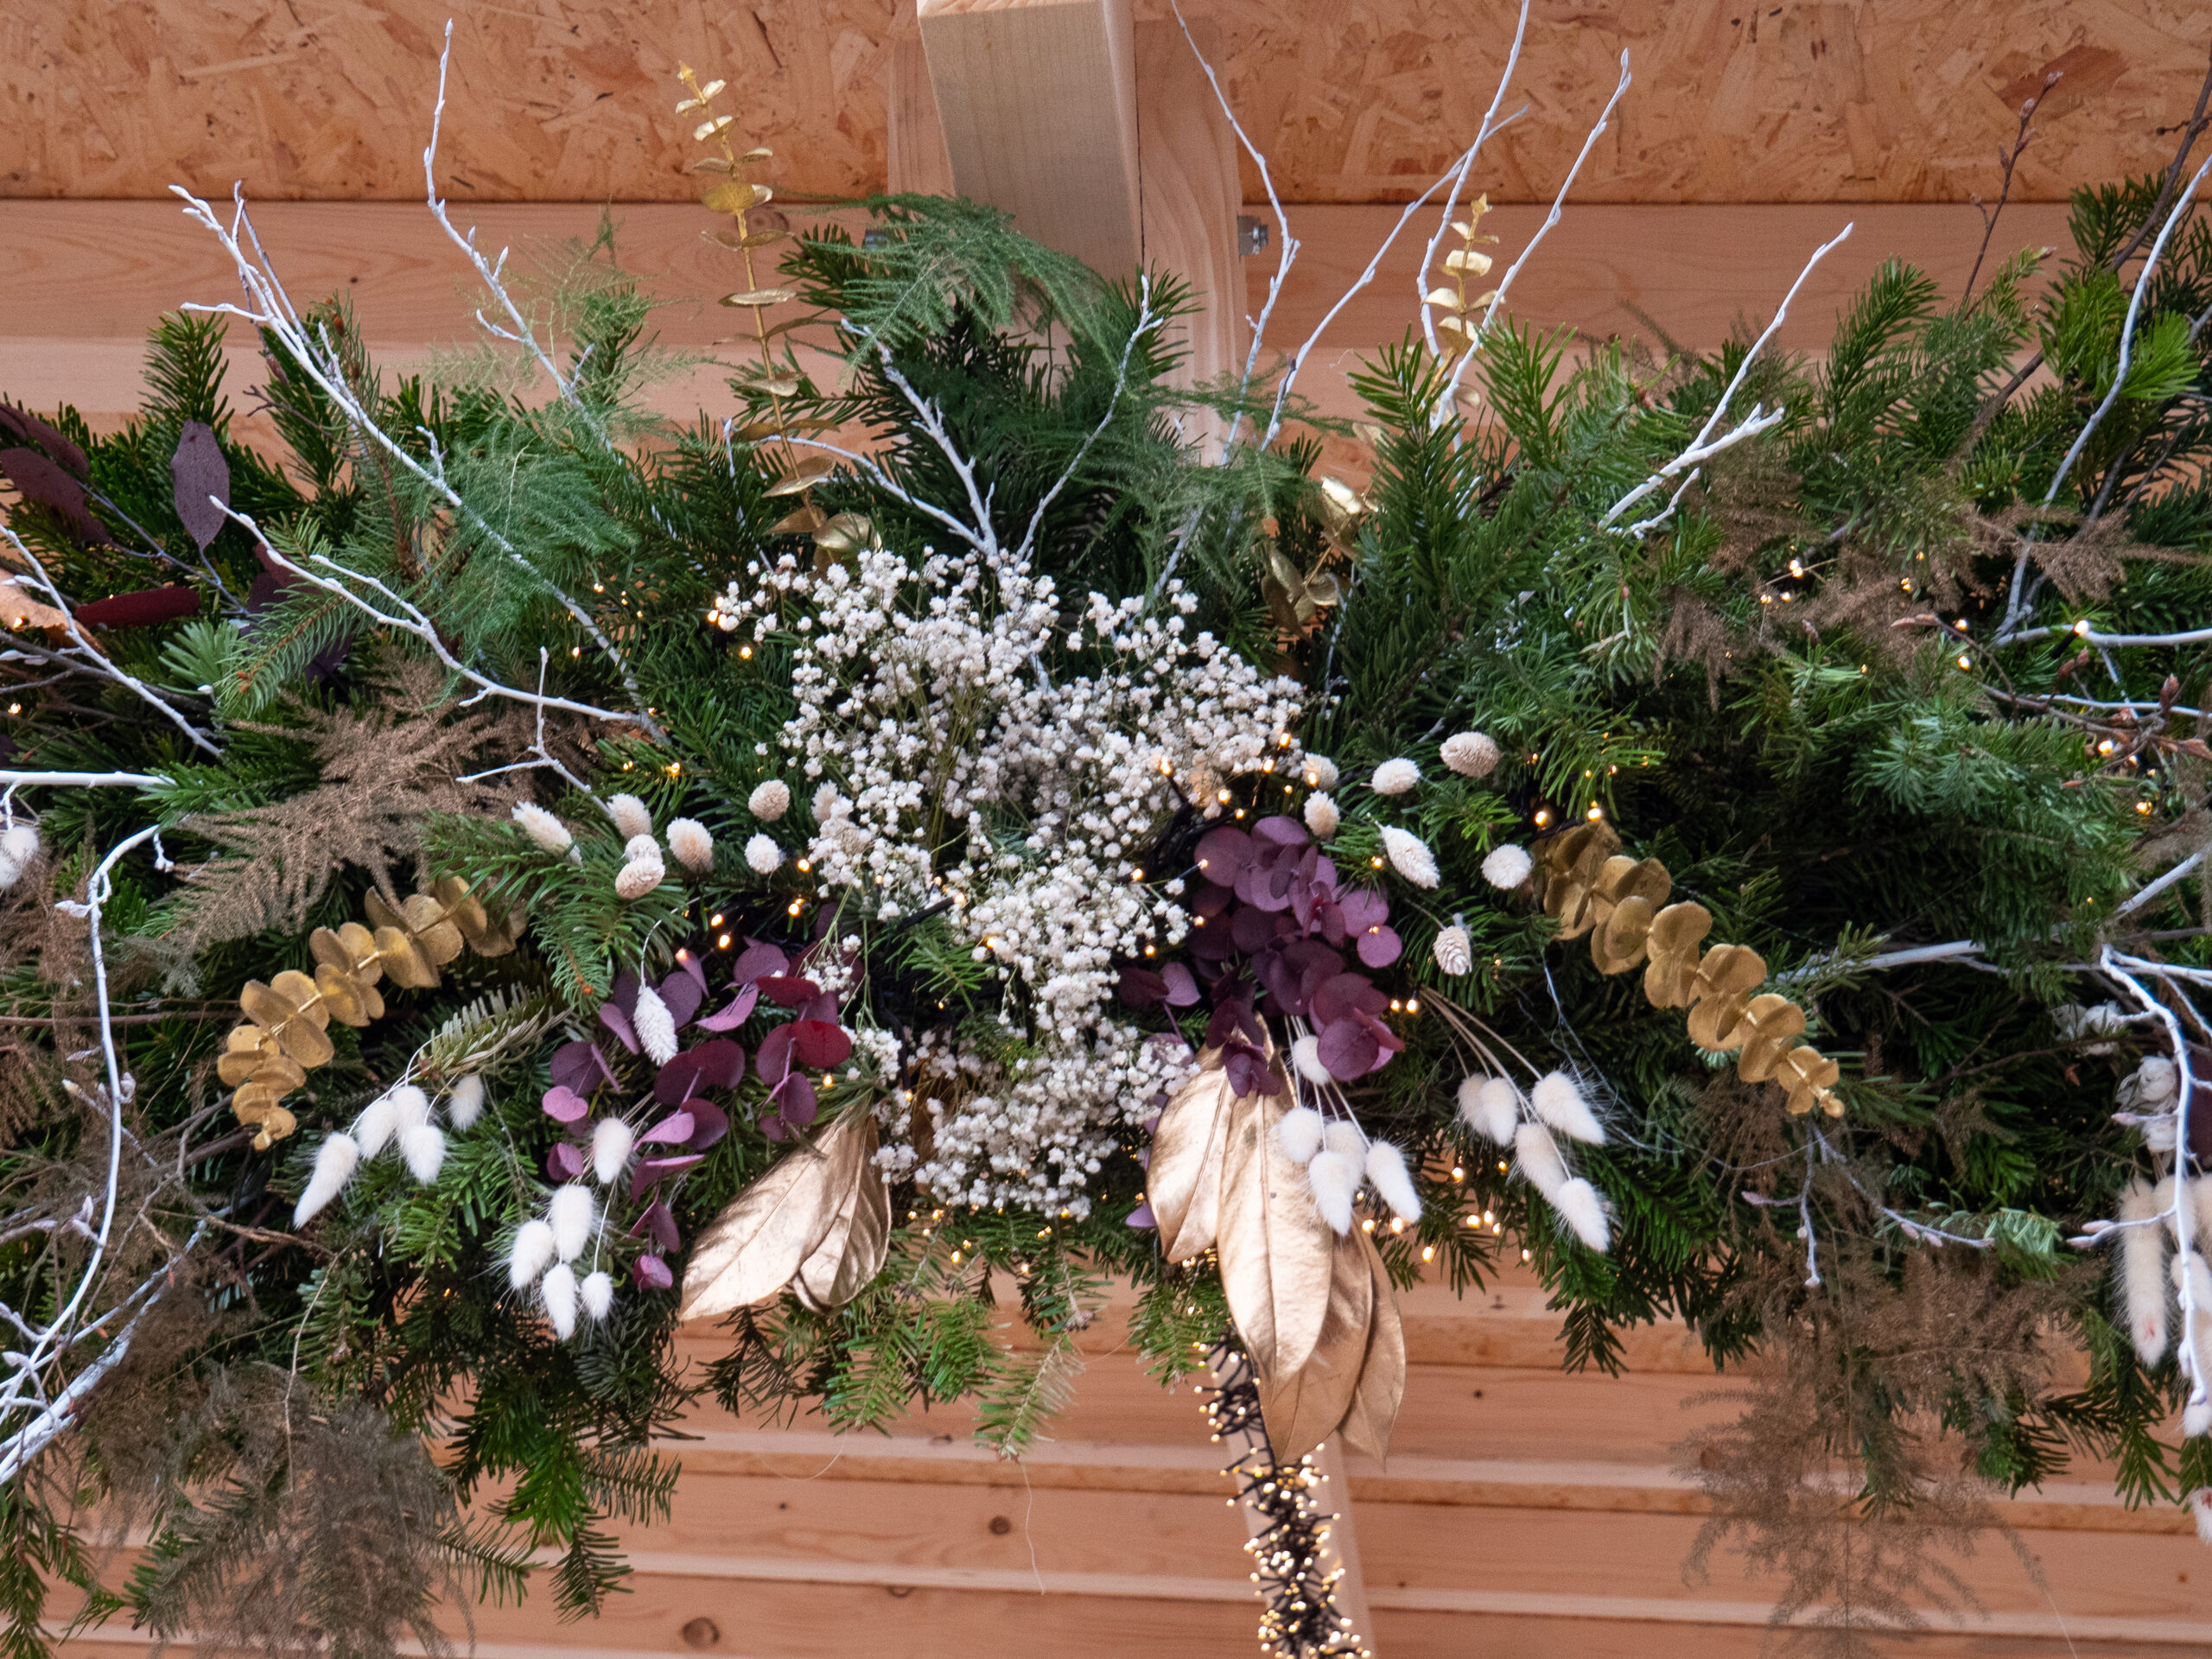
column 1186, row 161
column 1038, row 102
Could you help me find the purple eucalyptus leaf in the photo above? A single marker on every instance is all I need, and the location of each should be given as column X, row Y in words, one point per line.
column 1142, row 1217
column 684, row 995
column 198, row 472
column 660, row 1221
column 1209, row 901
column 758, row 960
column 739, row 1011
column 1182, row 985
column 652, row 1273
column 1364, row 908
column 580, row 1066
column 650, row 1170
column 820, row 1043
column 796, row 1102
column 774, row 1128
column 1248, row 1070
column 823, row 1007
column 1251, row 930
column 1212, row 943
column 1348, row 1049
column 693, row 965
column 564, row 1105
column 565, row 1160
column 1141, row 988
column 1223, row 852
column 673, row 1129
column 788, row 990
column 1283, row 832
column 618, row 1022
column 773, row 1058
column 1331, row 920
column 708, row 1124
column 1379, row 947
column 717, row 1064
column 625, row 996
column 1339, row 997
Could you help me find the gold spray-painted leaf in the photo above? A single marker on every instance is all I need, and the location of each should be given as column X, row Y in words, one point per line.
column 761, row 297
column 736, row 196
column 807, row 519
column 1382, row 1387
column 806, row 475
column 737, row 243
column 1303, row 1408
column 409, row 967
column 300, row 991
column 853, row 1250
column 1183, row 1182
column 751, row 1249
column 1274, row 1246
column 347, row 1000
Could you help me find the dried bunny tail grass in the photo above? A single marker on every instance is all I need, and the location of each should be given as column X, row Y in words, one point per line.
column 529, row 1255
column 1300, row 1134
column 1537, row 1157
column 1490, row 1107
column 597, row 1294
column 571, row 1215
column 557, row 1291
column 1306, row 1055
column 466, row 1104
column 630, row 816
column 1582, row 1209
column 336, row 1161
column 1557, row 1100
column 611, row 1142
column 422, row 1147
column 693, row 846
column 1342, row 1137
column 1386, row 1168
column 1333, row 1179
column 2142, row 1266
column 1320, row 771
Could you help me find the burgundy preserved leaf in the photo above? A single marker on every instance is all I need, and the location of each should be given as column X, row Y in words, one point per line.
column 1338, row 997
column 1307, row 956
column 1379, row 947
column 199, row 472
column 580, row 1066
column 820, row 1043
column 44, row 483
column 565, row 1162
column 660, row 1221
column 24, row 427
column 1248, row 1070
column 1331, row 918
column 618, row 1022
column 1282, row 981
column 758, row 962
column 1182, row 985
column 650, row 1170
column 1283, row 832
column 823, row 1007
column 1212, row 943
column 1211, row 900
column 675, row 1128
column 652, row 1273
column 1252, row 930
column 795, row 1099
column 774, row 1059
column 147, row 607
column 683, row 995
column 1232, row 1017
column 1348, row 1049
column 1141, row 988
column 739, row 1011
column 1221, row 853
column 624, row 994
column 1387, row 1041
column 564, row 1105
column 690, row 963
column 787, row 990
column 708, row 1123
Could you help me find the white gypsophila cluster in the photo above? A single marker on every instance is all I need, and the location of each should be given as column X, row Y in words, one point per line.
column 950, row 766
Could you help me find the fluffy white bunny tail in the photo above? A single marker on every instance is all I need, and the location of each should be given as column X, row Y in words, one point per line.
column 597, row 1294
column 630, row 817
column 655, row 1025
column 692, row 843
column 571, row 1215
column 1306, row 1055
column 334, row 1163
column 1300, row 1134
column 1538, row 1156
column 1386, row 1167
column 410, row 1106
column 1342, row 1137
column 424, row 1150
column 1559, row 1101
column 2196, row 1419
column 559, row 1293
column 610, row 1149
column 466, row 1104
column 531, row 1252
column 2200, row 1505
column 1580, row 1208
column 1333, row 1179
column 374, row 1127
column 1490, row 1107
column 2142, row 1268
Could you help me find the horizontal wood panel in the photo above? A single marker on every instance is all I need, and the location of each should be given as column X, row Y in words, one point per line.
column 1363, row 100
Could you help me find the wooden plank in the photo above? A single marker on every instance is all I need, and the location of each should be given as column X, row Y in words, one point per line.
column 1362, row 101
column 917, row 163
column 1187, row 171
column 1038, row 102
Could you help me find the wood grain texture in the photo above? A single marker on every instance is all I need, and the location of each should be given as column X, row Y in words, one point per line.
column 1187, row 173
column 1361, row 101
column 1037, row 99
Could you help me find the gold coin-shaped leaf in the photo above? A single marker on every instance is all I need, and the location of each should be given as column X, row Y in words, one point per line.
column 300, row 991
column 236, row 1065
column 807, row 519
column 277, row 1124
column 735, row 196
column 380, row 912
column 265, row 1007
column 737, row 243
column 408, row 966
column 341, row 994
column 305, row 1043
column 760, row 298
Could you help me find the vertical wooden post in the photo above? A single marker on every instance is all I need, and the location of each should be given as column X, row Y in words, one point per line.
column 1038, row 102
column 1186, row 160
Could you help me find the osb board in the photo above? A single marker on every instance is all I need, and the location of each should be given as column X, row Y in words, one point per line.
column 1354, row 100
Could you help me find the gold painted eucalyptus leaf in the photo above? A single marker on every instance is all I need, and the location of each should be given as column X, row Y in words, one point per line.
column 1183, row 1182
column 1304, row 1407
column 853, row 1251
column 1382, row 1389
column 753, row 1250
column 1275, row 1250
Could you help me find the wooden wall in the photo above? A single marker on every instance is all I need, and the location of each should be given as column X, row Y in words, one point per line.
column 1354, row 100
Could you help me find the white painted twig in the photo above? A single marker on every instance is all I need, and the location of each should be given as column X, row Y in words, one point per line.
column 2179, row 872
column 15, row 780
column 1491, row 123
column 1700, row 448
column 1147, row 321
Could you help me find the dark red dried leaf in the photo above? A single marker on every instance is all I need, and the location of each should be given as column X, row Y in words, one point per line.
column 24, row 427
column 673, row 1129
column 618, row 1022
column 739, row 1011
column 1141, row 988
column 683, row 994
column 758, row 962
column 1182, row 985
column 774, row 1059
column 1283, row 832
column 148, row 608
column 199, row 472
column 1379, row 947
column 580, row 1066
column 1221, row 853
column 565, row 1160
column 788, row 990
column 44, row 483
column 820, row 1043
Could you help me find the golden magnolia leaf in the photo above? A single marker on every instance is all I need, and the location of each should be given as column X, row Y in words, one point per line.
column 804, row 476
column 1303, row 1408
column 753, row 1250
column 1274, row 1246
column 773, row 385
column 761, row 297
column 710, row 165
column 858, row 1242
column 1382, row 1387
column 1446, row 297
column 1183, row 1182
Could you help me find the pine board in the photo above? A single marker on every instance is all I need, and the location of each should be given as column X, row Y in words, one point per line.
column 1360, row 100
